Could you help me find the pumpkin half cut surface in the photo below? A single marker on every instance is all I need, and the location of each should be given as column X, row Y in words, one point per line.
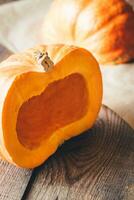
column 48, row 95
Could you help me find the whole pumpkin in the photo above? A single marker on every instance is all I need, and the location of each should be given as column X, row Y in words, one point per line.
column 48, row 95
column 105, row 27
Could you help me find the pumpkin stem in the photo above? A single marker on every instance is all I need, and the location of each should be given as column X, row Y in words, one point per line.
column 44, row 60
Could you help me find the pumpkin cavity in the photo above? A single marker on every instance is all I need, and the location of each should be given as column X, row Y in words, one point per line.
column 62, row 102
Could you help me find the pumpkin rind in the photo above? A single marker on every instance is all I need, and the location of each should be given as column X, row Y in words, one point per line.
column 22, row 78
column 106, row 28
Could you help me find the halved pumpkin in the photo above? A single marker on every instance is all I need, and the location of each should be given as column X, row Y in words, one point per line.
column 46, row 98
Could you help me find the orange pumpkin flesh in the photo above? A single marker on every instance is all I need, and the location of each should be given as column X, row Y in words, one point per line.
column 106, row 28
column 61, row 103
column 40, row 110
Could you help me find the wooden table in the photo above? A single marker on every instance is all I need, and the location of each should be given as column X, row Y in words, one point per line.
column 97, row 165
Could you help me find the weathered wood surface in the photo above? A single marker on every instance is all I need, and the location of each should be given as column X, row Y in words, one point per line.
column 98, row 165
column 13, row 181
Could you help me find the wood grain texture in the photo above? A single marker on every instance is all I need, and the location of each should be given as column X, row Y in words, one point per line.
column 98, row 165
column 13, row 180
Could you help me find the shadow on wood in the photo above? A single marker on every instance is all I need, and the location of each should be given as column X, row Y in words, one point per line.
column 95, row 165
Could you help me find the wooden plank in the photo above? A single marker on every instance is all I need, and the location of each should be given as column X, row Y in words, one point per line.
column 98, row 165
column 13, row 180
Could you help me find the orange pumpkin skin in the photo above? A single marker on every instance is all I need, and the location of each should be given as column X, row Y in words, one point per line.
column 106, row 28
column 40, row 110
